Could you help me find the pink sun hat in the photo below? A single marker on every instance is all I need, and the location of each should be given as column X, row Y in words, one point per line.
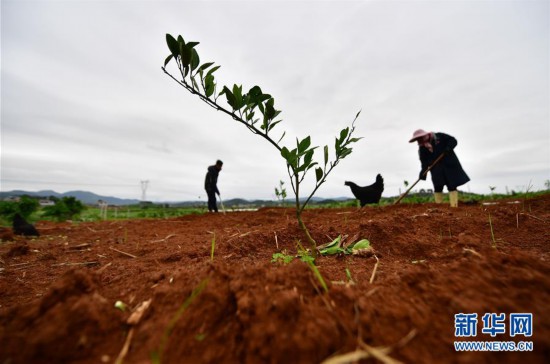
column 418, row 134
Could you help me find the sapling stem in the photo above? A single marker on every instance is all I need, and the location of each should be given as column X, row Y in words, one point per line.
column 243, row 107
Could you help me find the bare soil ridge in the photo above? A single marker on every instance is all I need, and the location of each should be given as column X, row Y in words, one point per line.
column 57, row 293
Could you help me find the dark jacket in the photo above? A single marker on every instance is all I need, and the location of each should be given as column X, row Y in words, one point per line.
column 211, row 180
column 448, row 171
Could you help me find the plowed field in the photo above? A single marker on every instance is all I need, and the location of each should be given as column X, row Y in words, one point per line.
column 430, row 262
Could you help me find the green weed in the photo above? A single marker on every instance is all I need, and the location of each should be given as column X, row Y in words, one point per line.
column 213, row 247
column 156, row 356
column 348, row 274
column 494, row 242
column 317, row 275
column 278, row 257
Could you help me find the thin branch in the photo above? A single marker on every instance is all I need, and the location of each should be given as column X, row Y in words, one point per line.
column 217, row 107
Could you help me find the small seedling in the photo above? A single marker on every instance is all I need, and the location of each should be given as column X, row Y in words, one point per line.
column 213, row 247
column 348, row 274
column 494, row 243
column 120, row 305
column 156, row 356
column 304, row 254
column 317, row 275
column 278, row 257
column 281, row 192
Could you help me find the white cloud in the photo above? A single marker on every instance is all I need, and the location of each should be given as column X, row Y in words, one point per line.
column 85, row 104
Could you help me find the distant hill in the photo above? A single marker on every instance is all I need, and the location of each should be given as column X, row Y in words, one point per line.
column 88, row 198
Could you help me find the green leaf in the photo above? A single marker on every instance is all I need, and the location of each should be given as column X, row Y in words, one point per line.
column 335, row 242
column 337, row 147
column 186, row 54
column 304, row 144
column 293, row 158
column 195, row 60
column 256, row 91
column 345, row 152
column 230, row 97
column 310, row 261
column 332, row 251
column 361, row 247
column 209, row 85
column 192, row 44
column 308, row 157
column 311, row 165
column 272, row 125
column 326, row 154
column 238, row 93
column 270, row 112
column 195, row 84
column 333, row 247
column 285, row 153
column 361, row 244
column 168, row 59
column 212, row 70
column 318, row 173
column 210, row 88
column 343, row 134
column 276, row 257
column 173, row 45
column 205, row 66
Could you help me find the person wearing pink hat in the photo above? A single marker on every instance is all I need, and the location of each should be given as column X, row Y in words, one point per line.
column 448, row 171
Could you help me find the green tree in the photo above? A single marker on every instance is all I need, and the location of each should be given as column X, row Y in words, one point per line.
column 65, row 208
column 256, row 111
column 25, row 207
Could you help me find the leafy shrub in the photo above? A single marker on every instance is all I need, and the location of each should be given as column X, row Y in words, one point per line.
column 25, row 207
column 65, row 208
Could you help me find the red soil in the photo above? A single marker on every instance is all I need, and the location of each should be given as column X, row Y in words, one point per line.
column 57, row 293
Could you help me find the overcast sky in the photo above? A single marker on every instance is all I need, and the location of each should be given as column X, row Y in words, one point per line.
column 86, row 106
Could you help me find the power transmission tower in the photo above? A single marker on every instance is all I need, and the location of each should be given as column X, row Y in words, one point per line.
column 144, row 185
